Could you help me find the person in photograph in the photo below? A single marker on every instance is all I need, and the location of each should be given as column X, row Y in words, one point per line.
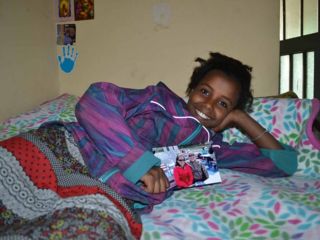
column 199, row 171
column 182, row 172
column 69, row 34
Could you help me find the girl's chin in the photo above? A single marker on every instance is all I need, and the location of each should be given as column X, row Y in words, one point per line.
column 207, row 125
column 204, row 122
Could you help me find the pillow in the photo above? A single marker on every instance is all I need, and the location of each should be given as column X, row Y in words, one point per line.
column 58, row 109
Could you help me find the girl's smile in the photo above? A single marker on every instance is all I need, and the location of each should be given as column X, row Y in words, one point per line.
column 213, row 98
column 202, row 115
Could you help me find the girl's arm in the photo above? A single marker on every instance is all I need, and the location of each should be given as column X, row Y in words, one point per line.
column 258, row 135
column 110, row 145
column 267, row 157
column 246, row 124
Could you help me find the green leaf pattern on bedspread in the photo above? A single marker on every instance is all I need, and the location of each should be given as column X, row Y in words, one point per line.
column 59, row 109
column 242, row 207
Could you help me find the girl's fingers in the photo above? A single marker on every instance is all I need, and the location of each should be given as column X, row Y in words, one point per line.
column 155, row 181
column 157, row 187
column 164, row 182
column 148, row 182
column 163, row 185
column 167, row 182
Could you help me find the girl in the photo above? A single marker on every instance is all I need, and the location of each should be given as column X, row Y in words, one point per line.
column 118, row 127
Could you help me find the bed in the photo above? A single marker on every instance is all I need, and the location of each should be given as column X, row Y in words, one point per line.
column 243, row 206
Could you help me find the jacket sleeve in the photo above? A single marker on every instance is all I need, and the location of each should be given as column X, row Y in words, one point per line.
column 249, row 158
column 109, row 144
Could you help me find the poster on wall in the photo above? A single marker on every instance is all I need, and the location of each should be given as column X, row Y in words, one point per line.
column 64, row 10
column 83, row 9
column 66, row 34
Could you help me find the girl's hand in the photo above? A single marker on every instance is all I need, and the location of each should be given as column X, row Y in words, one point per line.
column 155, row 181
column 229, row 121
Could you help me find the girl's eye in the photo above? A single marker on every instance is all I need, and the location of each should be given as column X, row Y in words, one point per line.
column 223, row 104
column 204, row 92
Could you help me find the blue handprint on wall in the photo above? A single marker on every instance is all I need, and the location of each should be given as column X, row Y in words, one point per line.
column 68, row 59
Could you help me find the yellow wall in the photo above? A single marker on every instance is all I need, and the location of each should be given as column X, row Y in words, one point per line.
column 125, row 45
column 129, row 45
column 28, row 69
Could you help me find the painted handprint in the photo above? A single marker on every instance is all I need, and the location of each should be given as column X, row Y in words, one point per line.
column 68, row 59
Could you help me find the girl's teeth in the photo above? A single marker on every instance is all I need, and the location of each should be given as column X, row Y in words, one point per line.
column 202, row 115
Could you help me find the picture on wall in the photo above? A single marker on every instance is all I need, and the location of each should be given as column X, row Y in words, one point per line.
column 64, row 10
column 66, row 34
column 83, row 9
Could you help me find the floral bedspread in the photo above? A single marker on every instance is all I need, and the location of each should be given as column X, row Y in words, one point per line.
column 243, row 206
column 59, row 109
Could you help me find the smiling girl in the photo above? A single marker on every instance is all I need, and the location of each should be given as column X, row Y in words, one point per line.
column 118, row 127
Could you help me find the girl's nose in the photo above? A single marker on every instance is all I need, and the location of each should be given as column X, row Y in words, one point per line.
column 210, row 108
column 209, row 105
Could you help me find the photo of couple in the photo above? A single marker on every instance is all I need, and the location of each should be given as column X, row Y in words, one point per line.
column 189, row 166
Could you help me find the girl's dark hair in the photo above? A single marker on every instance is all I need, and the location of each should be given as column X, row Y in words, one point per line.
column 233, row 68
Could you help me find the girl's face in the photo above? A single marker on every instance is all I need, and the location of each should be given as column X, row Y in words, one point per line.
column 213, row 98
